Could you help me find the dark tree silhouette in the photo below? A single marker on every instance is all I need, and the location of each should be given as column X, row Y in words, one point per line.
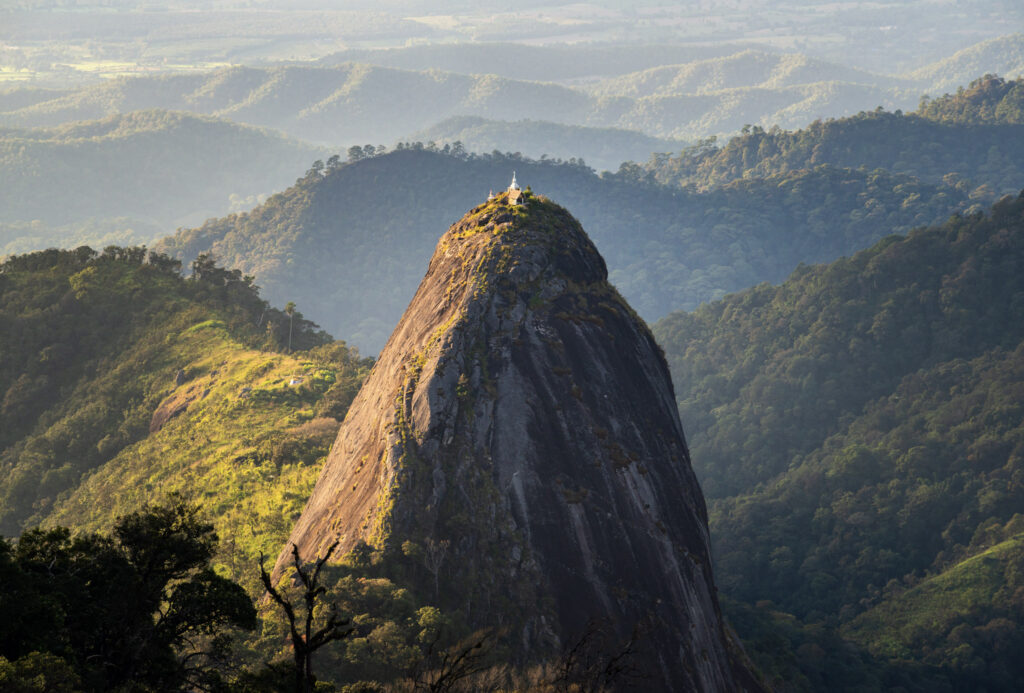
column 309, row 639
column 141, row 609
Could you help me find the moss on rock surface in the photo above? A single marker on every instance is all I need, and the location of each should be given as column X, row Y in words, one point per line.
column 523, row 418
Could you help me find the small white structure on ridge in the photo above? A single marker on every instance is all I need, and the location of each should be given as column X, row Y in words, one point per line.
column 515, row 195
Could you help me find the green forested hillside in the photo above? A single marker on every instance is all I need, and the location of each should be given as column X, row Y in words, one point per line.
column 805, row 356
column 102, row 352
column 860, row 431
column 974, row 140
column 966, row 618
column 157, row 167
column 342, row 240
column 990, row 99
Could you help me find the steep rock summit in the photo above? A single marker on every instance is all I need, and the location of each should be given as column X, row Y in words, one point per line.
column 520, row 426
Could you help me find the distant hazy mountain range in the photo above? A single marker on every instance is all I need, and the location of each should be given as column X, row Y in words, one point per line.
column 353, row 102
column 601, row 148
column 133, row 175
column 552, row 63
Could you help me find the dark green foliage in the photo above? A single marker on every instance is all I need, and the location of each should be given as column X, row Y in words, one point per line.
column 859, row 430
column 973, row 141
column 765, row 376
column 792, row 656
column 341, row 243
column 86, row 354
column 391, row 634
column 140, row 609
column 38, row 672
column 965, row 619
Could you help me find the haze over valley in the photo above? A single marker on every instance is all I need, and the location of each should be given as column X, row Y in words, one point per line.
column 594, row 346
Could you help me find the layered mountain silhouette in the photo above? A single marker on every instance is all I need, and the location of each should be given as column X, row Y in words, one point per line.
column 358, row 103
column 520, row 425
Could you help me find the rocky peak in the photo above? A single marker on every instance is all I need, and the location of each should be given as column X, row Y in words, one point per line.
column 522, row 418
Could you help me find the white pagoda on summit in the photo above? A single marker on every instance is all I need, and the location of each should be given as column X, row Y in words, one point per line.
column 515, row 195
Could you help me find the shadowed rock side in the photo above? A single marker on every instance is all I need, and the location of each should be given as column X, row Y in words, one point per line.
column 523, row 413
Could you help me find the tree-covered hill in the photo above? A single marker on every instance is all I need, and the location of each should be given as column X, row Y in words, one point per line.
column 990, row 99
column 344, row 242
column 805, row 356
column 966, row 618
column 163, row 168
column 104, row 354
column 974, row 140
column 859, row 431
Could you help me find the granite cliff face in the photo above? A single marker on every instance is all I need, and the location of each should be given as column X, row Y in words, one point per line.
column 521, row 425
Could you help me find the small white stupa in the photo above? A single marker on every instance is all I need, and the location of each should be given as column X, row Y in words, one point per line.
column 515, row 195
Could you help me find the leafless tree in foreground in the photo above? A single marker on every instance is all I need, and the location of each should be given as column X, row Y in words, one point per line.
column 308, row 640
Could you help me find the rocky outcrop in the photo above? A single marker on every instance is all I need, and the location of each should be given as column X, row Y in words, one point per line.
column 177, row 402
column 521, row 426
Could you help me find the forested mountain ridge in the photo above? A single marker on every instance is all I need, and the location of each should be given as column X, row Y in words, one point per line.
column 990, row 99
column 974, row 139
column 178, row 392
column 854, row 327
column 858, row 432
column 97, row 345
column 340, row 241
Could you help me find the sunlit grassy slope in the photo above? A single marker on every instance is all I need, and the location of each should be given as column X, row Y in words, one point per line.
column 247, row 448
column 123, row 382
column 972, row 593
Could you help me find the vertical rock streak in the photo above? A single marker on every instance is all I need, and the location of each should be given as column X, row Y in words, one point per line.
column 524, row 413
